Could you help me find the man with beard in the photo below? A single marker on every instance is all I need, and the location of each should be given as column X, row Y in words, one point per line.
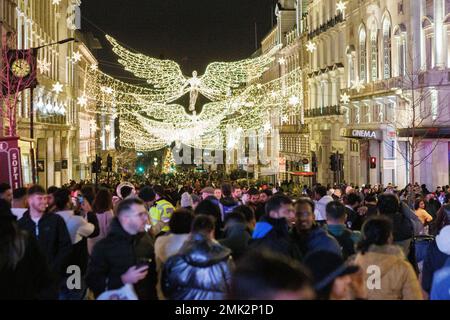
column 306, row 235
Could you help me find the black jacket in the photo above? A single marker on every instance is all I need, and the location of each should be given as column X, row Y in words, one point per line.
column 434, row 260
column 236, row 238
column 354, row 220
column 114, row 255
column 272, row 234
column 31, row 277
column 53, row 239
column 200, row 271
column 228, row 205
column 403, row 227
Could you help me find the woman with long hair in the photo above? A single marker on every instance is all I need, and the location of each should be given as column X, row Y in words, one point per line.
column 103, row 208
column 24, row 273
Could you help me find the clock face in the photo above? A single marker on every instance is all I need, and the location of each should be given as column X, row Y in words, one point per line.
column 21, row 68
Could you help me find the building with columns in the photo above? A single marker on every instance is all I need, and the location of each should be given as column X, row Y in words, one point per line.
column 59, row 152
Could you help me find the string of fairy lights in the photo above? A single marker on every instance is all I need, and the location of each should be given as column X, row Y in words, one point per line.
column 149, row 120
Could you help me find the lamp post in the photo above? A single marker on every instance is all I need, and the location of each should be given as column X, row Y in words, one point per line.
column 33, row 159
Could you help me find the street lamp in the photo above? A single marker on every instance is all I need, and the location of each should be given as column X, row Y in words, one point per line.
column 33, row 160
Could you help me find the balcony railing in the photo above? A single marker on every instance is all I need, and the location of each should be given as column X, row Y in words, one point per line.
column 323, row 112
column 376, row 88
column 326, row 26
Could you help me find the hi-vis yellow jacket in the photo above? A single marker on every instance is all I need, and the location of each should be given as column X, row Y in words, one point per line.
column 161, row 213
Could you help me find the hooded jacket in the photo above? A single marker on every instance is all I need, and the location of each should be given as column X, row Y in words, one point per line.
column 437, row 254
column 228, row 205
column 114, row 255
column 398, row 281
column 316, row 239
column 200, row 271
column 236, row 238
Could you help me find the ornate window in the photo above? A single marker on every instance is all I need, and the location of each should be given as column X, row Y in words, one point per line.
column 362, row 55
column 374, row 53
column 386, row 49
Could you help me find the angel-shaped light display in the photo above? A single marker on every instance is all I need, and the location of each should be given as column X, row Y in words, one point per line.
column 218, row 83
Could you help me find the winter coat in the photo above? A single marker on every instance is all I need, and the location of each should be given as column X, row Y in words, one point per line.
column 53, row 239
column 166, row 246
column 77, row 226
column 437, row 254
column 272, row 234
column 200, row 271
column 346, row 238
column 319, row 211
column 316, row 239
column 398, row 279
column 236, row 238
column 423, row 216
column 114, row 255
column 354, row 219
column 30, row 277
column 104, row 222
column 228, row 205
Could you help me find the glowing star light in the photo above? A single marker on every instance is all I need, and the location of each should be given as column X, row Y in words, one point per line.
column 294, row 100
column 107, row 128
column 57, row 87
column 43, row 66
column 341, row 6
column 310, row 46
column 282, row 61
column 76, row 57
column 345, row 98
column 284, row 119
column 357, row 84
column 56, row 2
column 82, row 101
column 93, row 67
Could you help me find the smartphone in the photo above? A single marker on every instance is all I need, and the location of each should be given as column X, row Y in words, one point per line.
column 80, row 199
column 143, row 262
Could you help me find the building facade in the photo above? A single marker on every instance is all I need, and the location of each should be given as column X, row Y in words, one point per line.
column 58, row 135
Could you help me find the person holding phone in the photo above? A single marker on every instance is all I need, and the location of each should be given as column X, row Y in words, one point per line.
column 126, row 255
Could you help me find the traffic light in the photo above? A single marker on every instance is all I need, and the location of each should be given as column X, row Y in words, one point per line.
column 109, row 163
column 333, row 162
column 140, row 169
column 98, row 164
column 373, row 163
column 93, row 167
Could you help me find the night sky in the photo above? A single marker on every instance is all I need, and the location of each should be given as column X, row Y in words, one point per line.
column 191, row 32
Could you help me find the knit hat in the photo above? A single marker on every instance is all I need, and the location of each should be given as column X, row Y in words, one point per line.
column 443, row 240
column 186, row 200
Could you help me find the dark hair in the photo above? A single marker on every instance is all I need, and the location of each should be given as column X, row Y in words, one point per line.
column 226, row 189
column 52, row 189
column 335, row 210
column 246, row 211
column 417, row 203
column 321, row 191
column 202, row 224
column 375, row 231
column 62, row 198
column 268, row 192
column 88, row 193
column 4, row 187
column 19, row 193
column 36, row 189
column 12, row 239
column 351, row 199
column 102, row 201
column 181, row 221
column 126, row 204
column 208, row 207
column 235, row 216
column 125, row 191
column 275, row 202
column 159, row 190
column 306, row 201
column 252, row 192
column 147, row 194
column 388, row 204
column 260, row 275
column 370, row 197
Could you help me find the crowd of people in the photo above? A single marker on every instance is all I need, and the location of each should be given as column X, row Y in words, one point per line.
column 203, row 241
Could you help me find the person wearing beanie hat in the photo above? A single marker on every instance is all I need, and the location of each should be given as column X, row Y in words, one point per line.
column 186, row 201
column 331, row 276
column 437, row 255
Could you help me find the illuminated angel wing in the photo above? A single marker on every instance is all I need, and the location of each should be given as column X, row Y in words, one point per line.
column 163, row 75
column 221, row 77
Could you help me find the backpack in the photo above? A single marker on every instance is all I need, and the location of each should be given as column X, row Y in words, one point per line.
column 346, row 242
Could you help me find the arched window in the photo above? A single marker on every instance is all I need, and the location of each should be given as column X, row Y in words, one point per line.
column 400, row 36
column 374, row 52
column 351, row 53
column 362, row 55
column 386, row 49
